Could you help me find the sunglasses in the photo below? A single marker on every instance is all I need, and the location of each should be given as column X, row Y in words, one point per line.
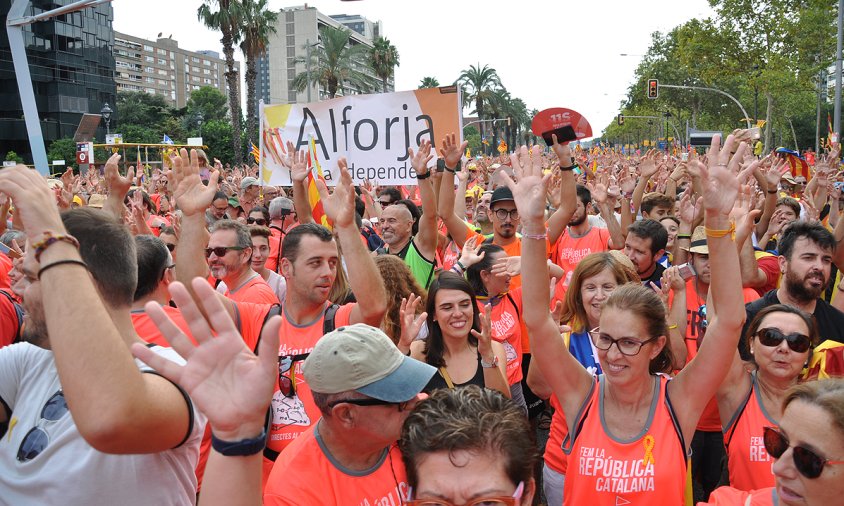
column 36, row 439
column 385, row 203
column 256, row 221
column 287, row 373
column 772, row 337
column 807, row 462
column 221, row 251
column 480, row 501
column 701, row 311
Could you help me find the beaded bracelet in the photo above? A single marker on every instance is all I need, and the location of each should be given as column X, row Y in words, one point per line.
column 50, row 239
column 538, row 237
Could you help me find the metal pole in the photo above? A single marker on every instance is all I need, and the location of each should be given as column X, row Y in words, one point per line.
column 677, row 86
column 308, row 66
column 837, row 118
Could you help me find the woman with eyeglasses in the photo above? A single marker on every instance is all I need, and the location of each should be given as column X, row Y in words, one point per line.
column 808, row 451
column 630, row 429
column 780, row 339
column 459, row 342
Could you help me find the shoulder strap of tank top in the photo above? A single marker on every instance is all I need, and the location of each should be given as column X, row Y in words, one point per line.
column 673, row 416
column 731, row 425
column 446, row 377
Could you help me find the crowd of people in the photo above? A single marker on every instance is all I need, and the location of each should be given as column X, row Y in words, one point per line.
column 189, row 333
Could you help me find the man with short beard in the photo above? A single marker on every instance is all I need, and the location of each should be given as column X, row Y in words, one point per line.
column 805, row 258
column 483, row 219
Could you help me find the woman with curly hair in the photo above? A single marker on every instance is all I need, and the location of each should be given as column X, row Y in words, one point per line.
column 400, row 284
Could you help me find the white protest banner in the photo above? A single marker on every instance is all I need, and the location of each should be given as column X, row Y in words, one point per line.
column 373, row 132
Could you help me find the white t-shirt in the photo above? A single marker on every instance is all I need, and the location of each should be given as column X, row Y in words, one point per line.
column 69, row 471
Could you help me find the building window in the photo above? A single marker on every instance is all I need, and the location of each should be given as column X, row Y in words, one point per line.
column 147, row 48
column 162, row 52
column 194, row 59
column 149, row 59
column 162, row 61
column 206, row 62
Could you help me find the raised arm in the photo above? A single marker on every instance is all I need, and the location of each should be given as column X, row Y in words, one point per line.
column 116, row 407
column 568, row 194
column 426, row 239
column 699, row 380
column 566, row 377
column 364, row 278
column 598, row 189
column 118, row 187
column 451, row 152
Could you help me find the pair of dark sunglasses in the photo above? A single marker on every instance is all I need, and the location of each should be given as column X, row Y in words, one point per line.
column 221, row 251
column 799, row 343
column 369, row 402
column 287, row 373
column 261, row 222
column 807, row 462
column 37, row 439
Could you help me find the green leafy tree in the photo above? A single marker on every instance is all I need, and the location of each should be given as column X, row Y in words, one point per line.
column 479, row 84
column 217, row 135
column 11, row 156
column 429, row 82
column 62, row 149
column 225, row 16
column 473, row 137
column 139, row 108
column 258, row 24
column 334, row 62
column 383, row 58
column 209, row 101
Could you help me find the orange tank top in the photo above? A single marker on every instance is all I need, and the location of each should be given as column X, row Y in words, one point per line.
column 749, row 463
column 648, row 469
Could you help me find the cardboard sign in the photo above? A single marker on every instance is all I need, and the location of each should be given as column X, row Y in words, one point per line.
column 566, row 124
column 373, row 133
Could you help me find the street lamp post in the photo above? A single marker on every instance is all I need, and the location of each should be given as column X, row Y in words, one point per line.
column 106, row 112
column 199, row 119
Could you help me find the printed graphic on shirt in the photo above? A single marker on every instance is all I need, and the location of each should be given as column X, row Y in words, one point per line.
column 618, row 476
column 511, row 352
column 757, row 452
column 288, row 411
column 394, row 498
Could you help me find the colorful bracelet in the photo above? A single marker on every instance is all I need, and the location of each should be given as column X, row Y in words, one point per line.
column 672, row 326
column 50, row 239
column 715, row 233
column 68, row 261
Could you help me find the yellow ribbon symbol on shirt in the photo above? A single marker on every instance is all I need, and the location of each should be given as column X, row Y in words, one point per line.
column 649, row 447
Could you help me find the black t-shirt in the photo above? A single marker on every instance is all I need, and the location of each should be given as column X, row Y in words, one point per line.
column 830, row 320
column 656, row 277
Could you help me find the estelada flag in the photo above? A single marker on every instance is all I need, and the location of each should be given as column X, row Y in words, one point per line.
column 799, row 166
column 314, row 173
column 827, row 361
column 502, row 146
column 256, row 153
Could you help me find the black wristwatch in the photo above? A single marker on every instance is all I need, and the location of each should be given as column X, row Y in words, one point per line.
column 242, row 448
column 421, row 177
column 455, row 169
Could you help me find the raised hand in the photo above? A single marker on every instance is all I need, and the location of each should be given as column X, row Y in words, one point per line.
column 117, row 184
column 720, row 179
column 451, row 151
column 228, row 383
column 484, row 337
column 191, row 195
column 469, row 256
column 35, row 203
column 529, row 191
column 648, row 167
column 411, row 324
column 507, row 266
column 339, row 206
column 297, row 162
column 420, row 159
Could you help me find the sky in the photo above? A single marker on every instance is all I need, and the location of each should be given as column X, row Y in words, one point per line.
column 549, row 53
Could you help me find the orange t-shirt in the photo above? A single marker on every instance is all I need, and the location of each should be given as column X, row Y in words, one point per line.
column 710, row 419
column 272, row 262
column 568, row 251
column 728, row 496
column 147, row 330
column 9, row 325
column 506, row 323
column 749, row 463
column 256, row 291
column 293, row 415
column 651, row 469
column 306, row 475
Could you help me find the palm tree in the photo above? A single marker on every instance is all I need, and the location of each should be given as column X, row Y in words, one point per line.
column 258, row 23
column 383, row 58
column 499, row 104
column 520, row 119
column 224, row 16
column 478, row 84
column 429, row 82
column 335, row 62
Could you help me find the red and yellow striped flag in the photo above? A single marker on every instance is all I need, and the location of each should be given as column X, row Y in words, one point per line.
column 314, row 173
column 256, row 153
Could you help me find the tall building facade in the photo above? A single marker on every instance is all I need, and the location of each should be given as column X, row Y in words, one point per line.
column 298, row 28
column 71, row 63
column 161, row 67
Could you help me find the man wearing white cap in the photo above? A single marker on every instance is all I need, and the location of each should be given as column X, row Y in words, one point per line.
column 365, row 388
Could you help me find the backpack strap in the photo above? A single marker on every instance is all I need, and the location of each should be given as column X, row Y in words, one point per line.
column 275, row 310
column 328, row 319
column 516, row 307
column 18, row 314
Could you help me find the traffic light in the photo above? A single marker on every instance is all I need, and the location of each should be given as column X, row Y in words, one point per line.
column 653, row 88
column 620, row 119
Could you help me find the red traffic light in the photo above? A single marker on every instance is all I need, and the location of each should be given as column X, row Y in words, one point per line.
column 620, row 119
column 653, row 88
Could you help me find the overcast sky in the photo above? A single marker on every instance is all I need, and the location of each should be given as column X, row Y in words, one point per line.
column 574, row 47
